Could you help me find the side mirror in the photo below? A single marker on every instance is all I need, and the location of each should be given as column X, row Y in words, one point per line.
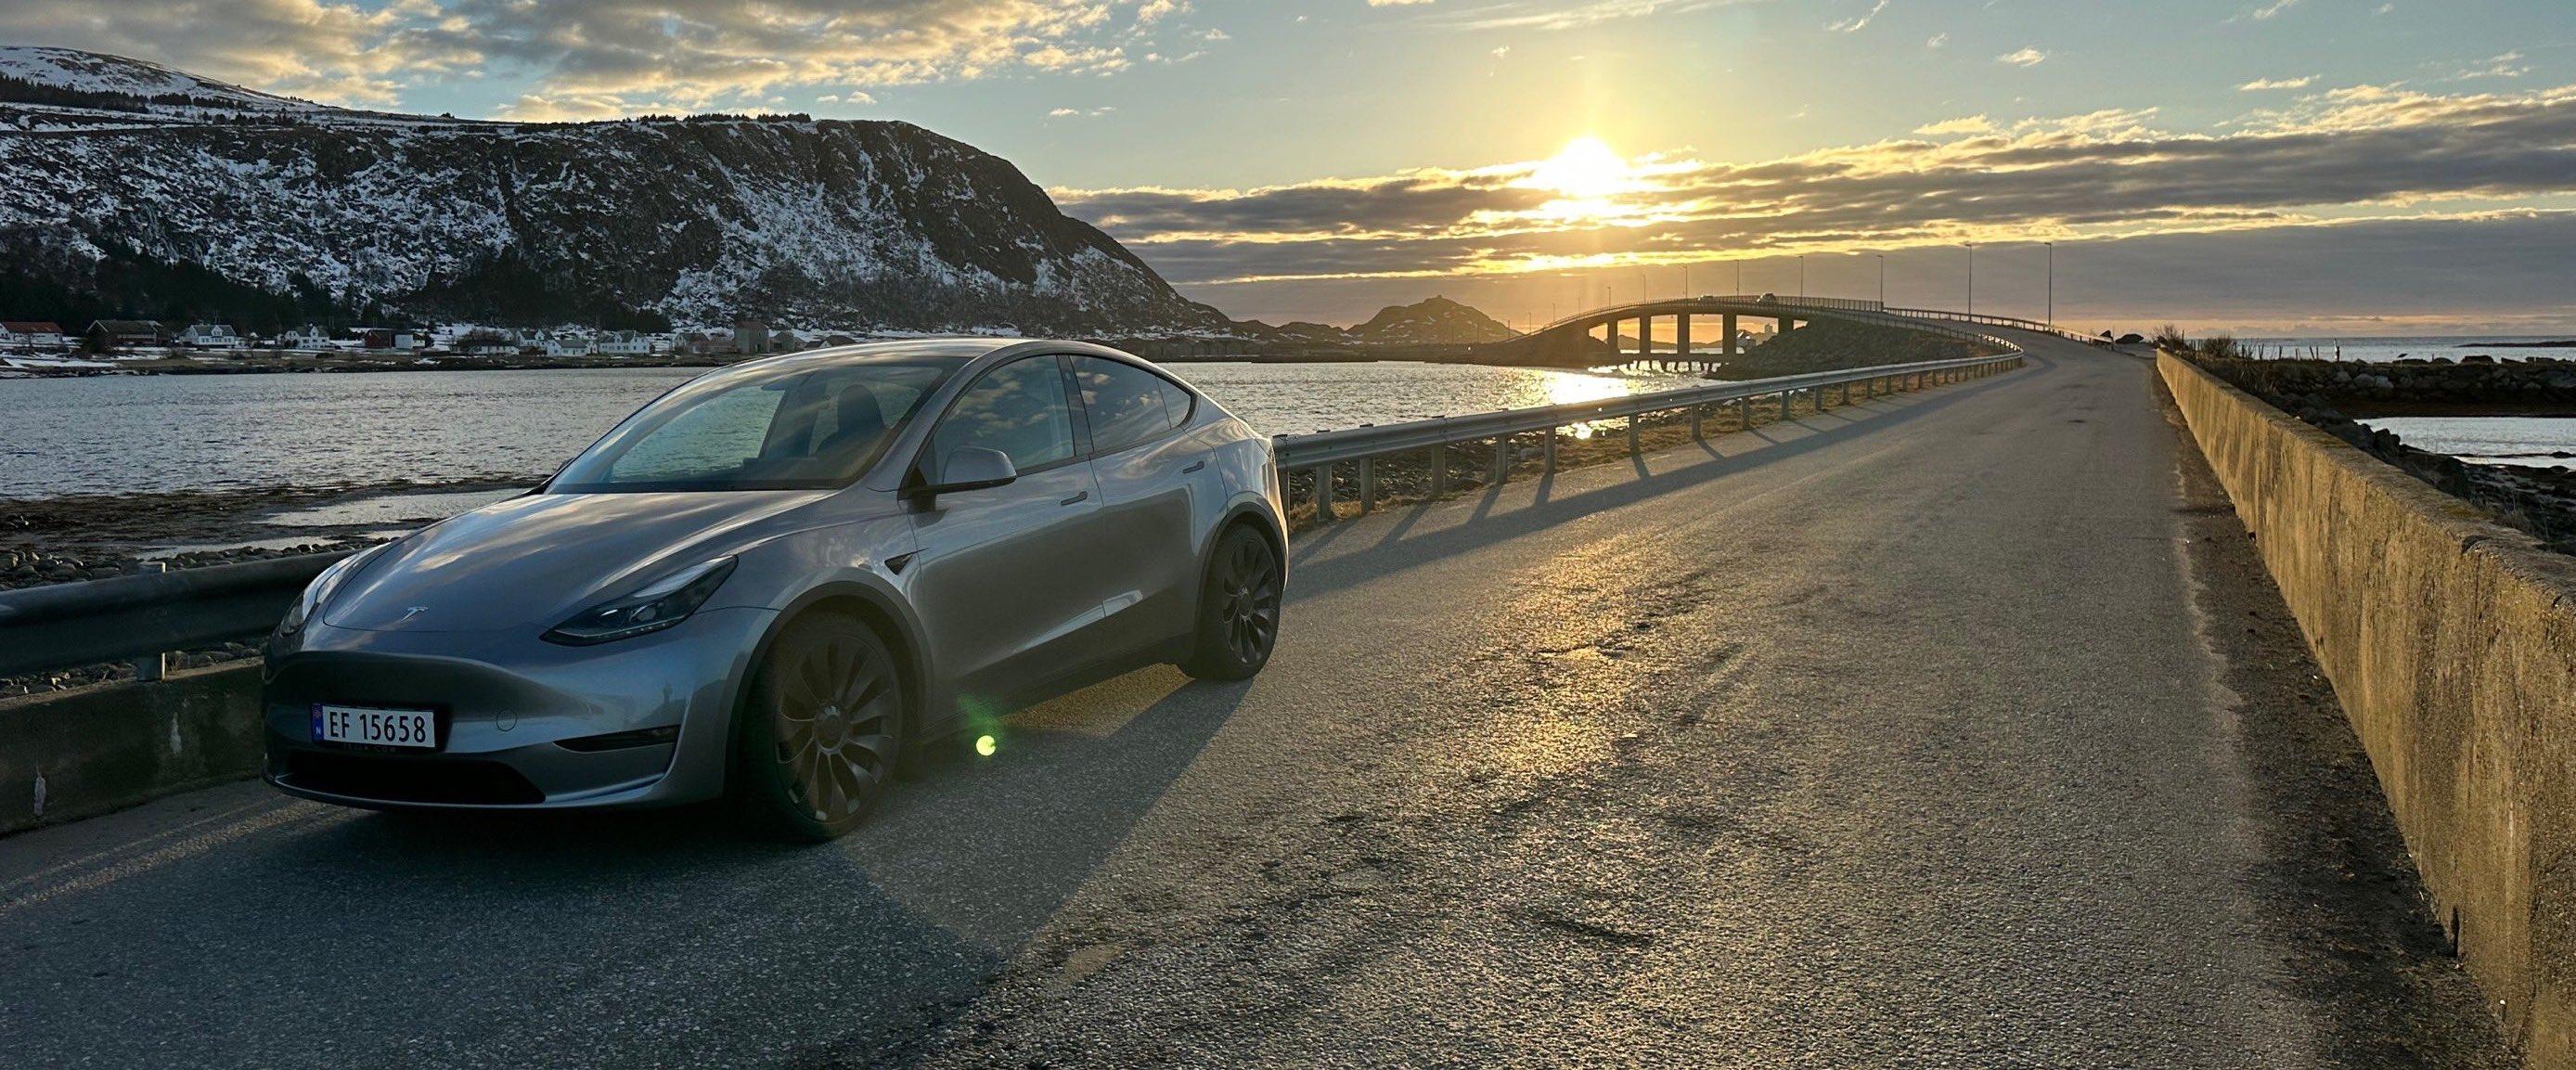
column 971, row 468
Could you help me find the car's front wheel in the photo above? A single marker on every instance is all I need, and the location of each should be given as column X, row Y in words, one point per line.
column 1238, row 609
column 824, row 729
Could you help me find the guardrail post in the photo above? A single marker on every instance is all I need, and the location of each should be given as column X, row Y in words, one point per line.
column 1502, row 468
column 1368, row 485
column 1439, row 470
column 1696, row 411
column 1632, row 433
column 1324, row 494
column 1549, row 451
column 153, row 666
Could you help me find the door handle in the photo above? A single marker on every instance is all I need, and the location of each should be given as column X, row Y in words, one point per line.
column 1076, row 499
column 1194, row 466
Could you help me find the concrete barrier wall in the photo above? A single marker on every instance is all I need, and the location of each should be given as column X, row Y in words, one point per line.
column 2451, row 641
column 71, row 754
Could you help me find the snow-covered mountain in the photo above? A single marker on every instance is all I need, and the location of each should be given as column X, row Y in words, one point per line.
column 1431, row 321
column 72, row 73
column 130, row 187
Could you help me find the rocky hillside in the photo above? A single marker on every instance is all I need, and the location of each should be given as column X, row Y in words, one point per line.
column 1432, row 321
column 132, row 189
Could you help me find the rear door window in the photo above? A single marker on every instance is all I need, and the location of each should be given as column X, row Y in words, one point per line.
column 1127, row 405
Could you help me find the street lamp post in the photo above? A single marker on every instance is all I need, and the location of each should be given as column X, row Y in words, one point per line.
column 1972, row 278
column 1802, row 277
column 1882, row 282
column 2052, row 283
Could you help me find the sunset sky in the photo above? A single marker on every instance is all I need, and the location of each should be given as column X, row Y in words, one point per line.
column 2324, row 166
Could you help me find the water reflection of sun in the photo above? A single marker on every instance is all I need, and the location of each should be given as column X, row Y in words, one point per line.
column 1566, row 388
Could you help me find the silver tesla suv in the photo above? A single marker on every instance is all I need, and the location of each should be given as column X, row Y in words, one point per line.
column 783, row 579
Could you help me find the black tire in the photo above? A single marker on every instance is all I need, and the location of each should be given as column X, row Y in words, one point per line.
column 824, row 730
column 1238, row 608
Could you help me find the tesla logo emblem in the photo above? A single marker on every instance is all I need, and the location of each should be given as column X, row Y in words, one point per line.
column 411, row 611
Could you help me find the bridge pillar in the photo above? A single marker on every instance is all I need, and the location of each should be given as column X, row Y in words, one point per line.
column 1726, row 329
column 1681, row 339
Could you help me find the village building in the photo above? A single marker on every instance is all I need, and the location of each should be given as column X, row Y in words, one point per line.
column 305, row 337
column 106, row 335
column 486, row 344
column 30, row 334
column 399, row 338
column 624, row 344
column 210, row 336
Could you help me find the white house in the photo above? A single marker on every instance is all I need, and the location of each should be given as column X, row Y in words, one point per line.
column 624, row 344
column 558, row 343
column 305, row 337
column 210, row 336
column 30, row 334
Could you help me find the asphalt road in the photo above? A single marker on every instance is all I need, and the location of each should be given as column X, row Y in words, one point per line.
column 1954, row 729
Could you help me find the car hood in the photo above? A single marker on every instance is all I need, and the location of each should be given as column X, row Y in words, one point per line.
column 533, row 561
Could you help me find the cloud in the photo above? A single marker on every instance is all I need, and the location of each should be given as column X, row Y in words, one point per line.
column 1938, row 40
column 1855, row 25
column 598, row 58
column 2271, row 9
column 2508, row 65
column 2260, row 84
column 2028, row 57
column 1973, row 124
column 1551, row 15
column 2352, row 151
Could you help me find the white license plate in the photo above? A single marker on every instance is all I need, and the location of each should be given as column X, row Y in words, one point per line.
column 369, row 726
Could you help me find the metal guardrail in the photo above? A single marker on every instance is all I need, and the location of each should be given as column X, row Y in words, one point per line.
column 143, row 616
column 64, row 625
column 2015, row 322
column 1318, row 453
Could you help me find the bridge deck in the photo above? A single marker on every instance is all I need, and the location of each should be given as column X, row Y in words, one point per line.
column 1952, row 729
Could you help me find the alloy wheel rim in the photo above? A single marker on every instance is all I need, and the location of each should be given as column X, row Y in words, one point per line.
column 836, row 716
column 1251, row 617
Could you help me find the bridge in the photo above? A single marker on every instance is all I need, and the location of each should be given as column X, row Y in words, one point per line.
column 1698, row 333
column 1953, row 726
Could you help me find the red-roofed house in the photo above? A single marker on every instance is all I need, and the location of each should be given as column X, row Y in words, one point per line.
column 30, row 334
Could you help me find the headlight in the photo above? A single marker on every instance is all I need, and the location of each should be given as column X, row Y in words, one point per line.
column 323, row 587
column 665, row 602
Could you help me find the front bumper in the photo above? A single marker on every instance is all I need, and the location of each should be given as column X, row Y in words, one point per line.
column 523, row 724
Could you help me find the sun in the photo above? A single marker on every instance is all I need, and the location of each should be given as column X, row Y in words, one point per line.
column 1586, row 169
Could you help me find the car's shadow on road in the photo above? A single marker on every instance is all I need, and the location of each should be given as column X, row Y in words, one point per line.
column 702, row 932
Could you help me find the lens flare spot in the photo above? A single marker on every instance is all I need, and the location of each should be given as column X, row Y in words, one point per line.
column 985, row 746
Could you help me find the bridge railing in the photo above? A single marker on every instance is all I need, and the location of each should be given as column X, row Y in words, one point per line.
column 1317, row 454
column 2014, row 322
column 142, row 617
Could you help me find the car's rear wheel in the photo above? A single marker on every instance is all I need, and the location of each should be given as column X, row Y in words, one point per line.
column 824, row 730
column 1238, row 608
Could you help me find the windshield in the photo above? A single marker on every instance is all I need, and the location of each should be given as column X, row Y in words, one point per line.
column 769, row 427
